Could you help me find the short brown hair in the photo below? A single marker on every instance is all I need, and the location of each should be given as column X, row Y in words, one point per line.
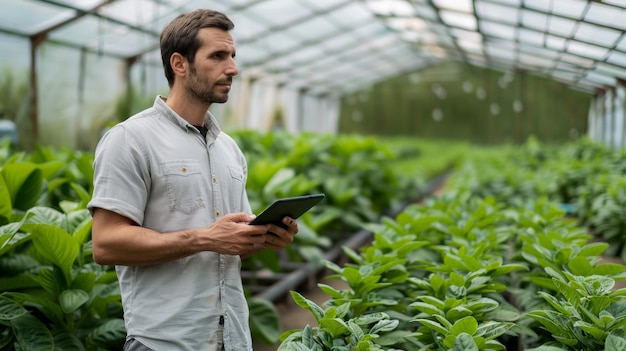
column 181, row 36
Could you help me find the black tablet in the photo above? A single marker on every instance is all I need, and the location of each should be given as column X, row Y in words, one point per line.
column 293, row 207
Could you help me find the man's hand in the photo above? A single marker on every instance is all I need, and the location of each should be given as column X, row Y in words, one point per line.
column 277, row 238
column 232, row 235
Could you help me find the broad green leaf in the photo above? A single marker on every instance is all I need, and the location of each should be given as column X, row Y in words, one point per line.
column 6, row 207
column 464, row 342
column 45, row 305
column 12, row 264
column 385, row 325
column 47, row 215
column 432, row 325
column 56, row 245
column 9, row 309
column 615, row 343
column 467, row 325
column 71, row 300
column 370, row 318
column 277, row 181
column 24, row 182
column 549, row 321
column 330, row 291
column 52, row 280
column 548, row 348
column 83, row 194
column 580, row 266
column 308, row 339
column 334, row 326
column 427, row 308
column 264, row 320
column 109, row 335
column 18, row 282
column 303, row 302
column 355, row 330
column 50, row 170
column 491, row 330
column 32, row 334
column 67, row 342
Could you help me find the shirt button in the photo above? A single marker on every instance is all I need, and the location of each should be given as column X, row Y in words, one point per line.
column 222, row 282
column 184, row 169
column 214, row 180
column 217, row 213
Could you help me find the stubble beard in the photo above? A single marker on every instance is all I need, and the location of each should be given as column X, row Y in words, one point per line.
column 200, row 89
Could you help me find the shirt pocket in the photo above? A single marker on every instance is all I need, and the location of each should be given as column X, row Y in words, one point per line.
column 237, row 187
column 183, row 180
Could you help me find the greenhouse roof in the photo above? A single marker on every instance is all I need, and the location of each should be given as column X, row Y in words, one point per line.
column 338, row 46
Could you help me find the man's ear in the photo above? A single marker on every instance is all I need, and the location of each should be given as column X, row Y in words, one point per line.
column 179, row 64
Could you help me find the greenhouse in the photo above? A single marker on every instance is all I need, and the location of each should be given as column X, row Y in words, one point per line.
column 467, row 159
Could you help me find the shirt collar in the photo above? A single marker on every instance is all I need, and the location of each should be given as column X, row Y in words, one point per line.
column 209, row 121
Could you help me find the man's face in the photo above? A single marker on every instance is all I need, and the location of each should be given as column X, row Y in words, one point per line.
column 210, row 76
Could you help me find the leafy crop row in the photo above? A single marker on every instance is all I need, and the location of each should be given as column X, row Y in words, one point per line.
column 504, row 270
column 52, row 294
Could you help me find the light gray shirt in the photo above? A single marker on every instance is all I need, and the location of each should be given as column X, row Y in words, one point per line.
column 158, row 170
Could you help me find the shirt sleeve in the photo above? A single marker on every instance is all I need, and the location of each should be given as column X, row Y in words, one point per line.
column 121, row 175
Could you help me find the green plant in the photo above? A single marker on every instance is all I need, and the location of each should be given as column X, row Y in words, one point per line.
column 53, row 295
column 586, row 314
column 337, row 329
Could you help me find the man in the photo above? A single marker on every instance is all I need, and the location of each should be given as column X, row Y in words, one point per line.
column 170, row 209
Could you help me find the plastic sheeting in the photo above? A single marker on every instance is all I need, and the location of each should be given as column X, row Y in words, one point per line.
column 298, row 56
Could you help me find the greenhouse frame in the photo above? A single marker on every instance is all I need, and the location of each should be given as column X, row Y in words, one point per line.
column 298, row 57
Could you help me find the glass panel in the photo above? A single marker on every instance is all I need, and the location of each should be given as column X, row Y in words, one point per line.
column 338, row 42
column 457, row 5
column 30, row 17
column 586, row 50
column 622, row 44
column 135, row 12
column 531, row 60
column 91, row 32
column 535, row 20
column 561, row 26
column 556, row 43
column 515, row 3
column 457, row 19
column 541, row 5
column 278, row 41
column 426, row 12
column 598, row 35
column 354, row 11
column 466, row 35
column 246, row 27
column 487, row 10
column 531, row 36
column 279, row 12
column 497, row 30
column 400, row 8
column 81, row 4
column 610, row 70
column 318, row 27
column 600, row 78
column 15, row 53
column 606, row 15
column 569, row 8
column 577, row 60
column 404, row 24
column 617, row 58
column 323, row 4
column 497, row 50
column 621, row 3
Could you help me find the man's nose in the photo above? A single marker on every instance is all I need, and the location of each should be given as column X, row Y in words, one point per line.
column 232, row 69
